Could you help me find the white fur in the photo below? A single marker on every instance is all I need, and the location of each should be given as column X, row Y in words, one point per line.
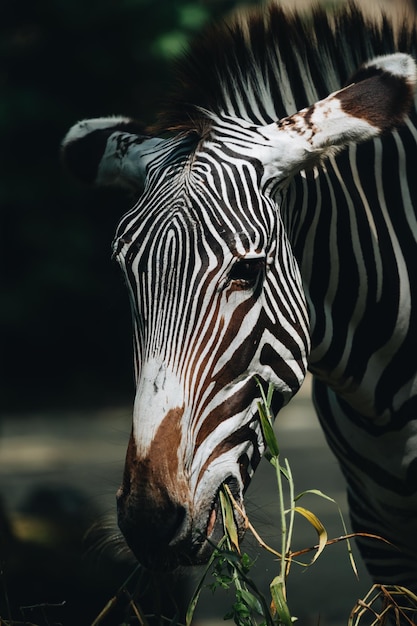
column 398, row 64
column 83, row 128
column 159, row 390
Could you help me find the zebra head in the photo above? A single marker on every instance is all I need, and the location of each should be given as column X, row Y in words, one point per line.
column 216, row 293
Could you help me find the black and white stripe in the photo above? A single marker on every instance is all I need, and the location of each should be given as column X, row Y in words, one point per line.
column 356, row 243
column 254, row 237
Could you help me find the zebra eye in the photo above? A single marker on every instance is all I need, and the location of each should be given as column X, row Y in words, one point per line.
column 246, row 272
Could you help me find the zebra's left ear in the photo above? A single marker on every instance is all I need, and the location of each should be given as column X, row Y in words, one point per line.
column 378, row 99
column 108, row 151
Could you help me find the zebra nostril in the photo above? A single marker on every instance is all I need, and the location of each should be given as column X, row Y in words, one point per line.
column 150, row 531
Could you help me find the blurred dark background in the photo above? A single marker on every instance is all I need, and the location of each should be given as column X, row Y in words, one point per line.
column 65, row 342
column 64, row 313
column 65, row 324
column 65, row 318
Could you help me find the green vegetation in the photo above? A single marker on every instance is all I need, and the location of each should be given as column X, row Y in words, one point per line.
column 231, row 569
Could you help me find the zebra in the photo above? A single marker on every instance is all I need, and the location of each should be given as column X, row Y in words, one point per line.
column 273, row 231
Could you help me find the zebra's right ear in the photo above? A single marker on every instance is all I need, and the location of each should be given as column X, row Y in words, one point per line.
column 108, row 151
column 377, row 101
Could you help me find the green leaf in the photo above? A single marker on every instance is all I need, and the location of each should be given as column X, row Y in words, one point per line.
column 268, row 432
column 229, row 521
column 315, row 492
column 196, row 595
column 348, row 545
column 285, row 473
column 271, row 390
column 246, row 562
column 251, row 601
column 279, row 601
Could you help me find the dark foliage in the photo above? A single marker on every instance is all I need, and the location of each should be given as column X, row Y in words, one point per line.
column 64, row 312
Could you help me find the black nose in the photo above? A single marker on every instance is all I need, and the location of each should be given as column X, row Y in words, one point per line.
column 153, row 531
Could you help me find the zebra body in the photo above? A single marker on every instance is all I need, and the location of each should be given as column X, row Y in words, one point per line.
column 257, row 248
column 363, row 334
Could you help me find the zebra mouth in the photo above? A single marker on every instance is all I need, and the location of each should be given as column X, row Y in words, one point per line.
column 215, row 525
column 212, row 519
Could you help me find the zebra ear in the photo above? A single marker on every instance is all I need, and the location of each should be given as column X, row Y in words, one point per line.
column 378, row 100
column 108, row 151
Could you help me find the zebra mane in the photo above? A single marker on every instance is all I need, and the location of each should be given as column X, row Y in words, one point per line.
column 267, row 63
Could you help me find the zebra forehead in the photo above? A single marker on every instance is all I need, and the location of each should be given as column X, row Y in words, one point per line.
column 226, row 211
column 192, row 238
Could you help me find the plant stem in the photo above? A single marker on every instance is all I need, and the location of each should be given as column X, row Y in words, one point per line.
column 292, row 512
column 282, row 516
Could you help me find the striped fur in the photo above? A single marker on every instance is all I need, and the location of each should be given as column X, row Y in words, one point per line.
column 203, row 332
column 245, row 247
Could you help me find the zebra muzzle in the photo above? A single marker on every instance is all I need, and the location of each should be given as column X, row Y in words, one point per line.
column 164, row 528
column 215, row 528
column 153, row 512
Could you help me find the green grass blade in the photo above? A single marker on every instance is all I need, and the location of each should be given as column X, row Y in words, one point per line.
column 279, row 602
column 348, row 545
column 315, row 492
column 271, row 390
column 229, row 523
column 196, row 595
column 268, row 432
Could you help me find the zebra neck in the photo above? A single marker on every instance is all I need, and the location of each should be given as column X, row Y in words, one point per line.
column 353, row 230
